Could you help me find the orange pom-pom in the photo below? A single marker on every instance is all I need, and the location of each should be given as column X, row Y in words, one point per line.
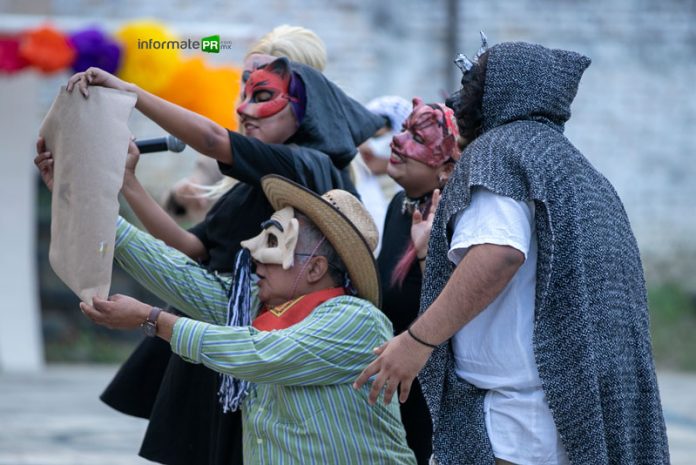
column 211, row 92
column 47, row 49
column 220, row 101
column 186, row 84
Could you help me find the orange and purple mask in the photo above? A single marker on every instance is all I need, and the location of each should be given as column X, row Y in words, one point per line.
column 429, row 134
column 266, row 92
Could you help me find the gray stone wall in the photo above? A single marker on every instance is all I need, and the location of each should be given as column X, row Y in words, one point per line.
column 634, row 117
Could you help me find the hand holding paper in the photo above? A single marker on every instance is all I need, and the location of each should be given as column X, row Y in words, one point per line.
column 88, row 140
column 95, row 77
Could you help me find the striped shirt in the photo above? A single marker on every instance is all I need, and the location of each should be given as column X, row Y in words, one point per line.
column 302, row 408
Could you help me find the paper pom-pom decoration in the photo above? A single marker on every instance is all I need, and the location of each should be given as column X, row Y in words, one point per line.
column 186, row 84
column 10, row 59
column 142, row 52
column 94, row 48
column 147, row 59
column 211, row 92
column 221, row 96
column 47, row 49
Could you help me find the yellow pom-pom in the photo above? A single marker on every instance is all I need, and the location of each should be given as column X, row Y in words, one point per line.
column 150, row 54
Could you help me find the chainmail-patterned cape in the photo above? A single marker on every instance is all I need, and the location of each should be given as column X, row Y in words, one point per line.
column 591, row 339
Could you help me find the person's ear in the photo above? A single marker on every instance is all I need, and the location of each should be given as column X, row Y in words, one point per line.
column 444, row 173
column 318, row 268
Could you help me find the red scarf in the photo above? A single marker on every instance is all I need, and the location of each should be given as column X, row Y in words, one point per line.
column 292, row 312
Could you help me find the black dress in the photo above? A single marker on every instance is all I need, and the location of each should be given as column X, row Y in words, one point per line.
column 187, row 426
column 400, row 304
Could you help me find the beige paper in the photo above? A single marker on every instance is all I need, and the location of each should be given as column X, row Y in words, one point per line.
column 89, row 141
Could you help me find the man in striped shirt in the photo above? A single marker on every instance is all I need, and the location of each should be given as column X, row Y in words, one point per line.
column 310, row 337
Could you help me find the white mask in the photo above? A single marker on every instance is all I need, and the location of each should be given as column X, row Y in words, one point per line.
column 276, row 243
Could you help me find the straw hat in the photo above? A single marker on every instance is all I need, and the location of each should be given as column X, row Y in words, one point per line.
column 344, row 221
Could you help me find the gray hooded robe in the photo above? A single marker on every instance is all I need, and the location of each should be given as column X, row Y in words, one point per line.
column 591, row 340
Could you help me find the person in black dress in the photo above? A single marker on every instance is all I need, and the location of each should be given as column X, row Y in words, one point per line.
column 135, row 390
column 300, row 126
column 423, row 155
column 190, row 198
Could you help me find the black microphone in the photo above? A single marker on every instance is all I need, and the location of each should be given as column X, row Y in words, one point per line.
column 160, row 144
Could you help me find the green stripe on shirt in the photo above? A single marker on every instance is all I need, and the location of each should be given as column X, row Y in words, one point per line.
column 303, row 408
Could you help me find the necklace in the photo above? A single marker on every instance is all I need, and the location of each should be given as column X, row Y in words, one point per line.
column 409, row 205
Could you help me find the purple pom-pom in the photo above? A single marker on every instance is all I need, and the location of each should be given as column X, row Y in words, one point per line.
column 94, row 48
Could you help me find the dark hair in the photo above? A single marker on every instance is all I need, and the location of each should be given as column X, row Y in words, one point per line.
column 467, row 103
column 387, row 122
column 308, row 239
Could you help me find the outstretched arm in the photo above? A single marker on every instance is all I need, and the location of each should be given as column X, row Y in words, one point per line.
column 328, row 347
column 170, row 275
column 481, row 275
column 152, row 215
column 148, row 211
column 123, row 312
column 199, row 132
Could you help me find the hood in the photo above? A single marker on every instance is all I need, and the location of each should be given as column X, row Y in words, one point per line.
column 333, row 122
column 530, row 82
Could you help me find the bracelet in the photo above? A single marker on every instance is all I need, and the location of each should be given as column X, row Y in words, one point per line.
column 410, row 333
column 421, row 259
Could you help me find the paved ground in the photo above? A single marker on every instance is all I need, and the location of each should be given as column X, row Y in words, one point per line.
column 55, row 418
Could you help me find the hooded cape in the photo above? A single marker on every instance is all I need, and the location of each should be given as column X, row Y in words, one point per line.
column 315, row 156
column 591, row 340
column 334, row 123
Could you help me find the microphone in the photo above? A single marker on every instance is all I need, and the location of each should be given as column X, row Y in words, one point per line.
column 160, row 144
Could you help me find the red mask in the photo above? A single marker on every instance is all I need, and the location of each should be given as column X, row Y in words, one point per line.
column 429, row 134
column 266, row 90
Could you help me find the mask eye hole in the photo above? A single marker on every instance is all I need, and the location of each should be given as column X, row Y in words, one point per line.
column 271, row 240
column 263, row 96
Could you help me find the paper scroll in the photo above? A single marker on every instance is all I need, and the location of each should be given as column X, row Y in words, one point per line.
column 89, row 142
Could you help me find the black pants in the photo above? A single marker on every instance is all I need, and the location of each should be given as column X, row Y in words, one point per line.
column 187, row 425
column 419, row 428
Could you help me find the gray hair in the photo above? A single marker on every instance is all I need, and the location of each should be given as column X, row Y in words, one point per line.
column 308, row 238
